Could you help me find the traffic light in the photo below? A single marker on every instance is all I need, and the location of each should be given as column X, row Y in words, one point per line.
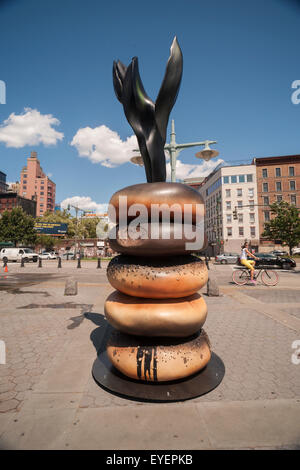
column 235, row 216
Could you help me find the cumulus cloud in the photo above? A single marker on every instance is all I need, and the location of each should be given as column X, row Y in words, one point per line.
column 29, row 128
column 186, row 170
column 102, row 145
column 84, row 203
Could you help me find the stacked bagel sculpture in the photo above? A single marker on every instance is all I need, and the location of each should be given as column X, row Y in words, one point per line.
column 156, row 311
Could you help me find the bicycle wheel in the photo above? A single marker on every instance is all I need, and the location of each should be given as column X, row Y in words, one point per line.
column 240, row 276
column 269, row 278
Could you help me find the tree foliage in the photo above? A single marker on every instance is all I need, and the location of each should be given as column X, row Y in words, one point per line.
column 83, row 228
column 285, row 226
column 18, row 227
column 46, row 241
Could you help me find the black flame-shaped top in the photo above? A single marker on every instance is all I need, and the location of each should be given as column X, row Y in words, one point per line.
column 149, row 120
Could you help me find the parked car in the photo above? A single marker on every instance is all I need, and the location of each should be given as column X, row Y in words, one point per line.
column 47, row 255
column 296, row 251
column 227, row 258
column 269, row 259
column 16, row 254
column 279, row 253
column 68, row 255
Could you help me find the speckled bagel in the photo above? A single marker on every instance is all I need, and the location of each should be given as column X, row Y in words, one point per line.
column 171, row 239
column 176, row 277
column 167, row 317
column 161, row 193
column 161, row 360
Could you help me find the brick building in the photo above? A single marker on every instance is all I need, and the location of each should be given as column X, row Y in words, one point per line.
column 10, row 200
column 35, row 183
column 278, row 179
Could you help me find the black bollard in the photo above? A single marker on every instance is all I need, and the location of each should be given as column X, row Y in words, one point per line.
column 40, row 263
column 99, row 263
column 59, row 262
column 22, row 263
column 79, row 262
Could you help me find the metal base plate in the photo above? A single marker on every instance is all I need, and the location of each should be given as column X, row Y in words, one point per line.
column 109, row 378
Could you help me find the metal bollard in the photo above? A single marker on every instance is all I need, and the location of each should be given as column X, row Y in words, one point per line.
column 22, row 263
column 40, row 263
column 79, row 262
column 99, row 263
column 59, row 262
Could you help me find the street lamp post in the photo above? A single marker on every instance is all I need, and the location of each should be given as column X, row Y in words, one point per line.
column 174, row 149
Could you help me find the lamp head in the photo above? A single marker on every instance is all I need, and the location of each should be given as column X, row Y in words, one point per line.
column 207, row 153
column 138, row 160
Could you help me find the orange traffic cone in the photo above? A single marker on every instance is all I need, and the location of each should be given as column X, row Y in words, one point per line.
column 6, row 269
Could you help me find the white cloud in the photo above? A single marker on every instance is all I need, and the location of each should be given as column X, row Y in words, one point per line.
column 29, row 128
column 186, row 170
column 84, row 203
column 104, row 146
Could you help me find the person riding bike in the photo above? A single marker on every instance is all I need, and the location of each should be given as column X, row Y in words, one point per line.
column 248, row 263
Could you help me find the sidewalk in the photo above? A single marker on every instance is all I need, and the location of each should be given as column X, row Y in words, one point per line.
column 256, row 406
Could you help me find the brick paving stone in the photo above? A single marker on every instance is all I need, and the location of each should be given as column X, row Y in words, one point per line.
column 8, row 405
column 7, row 387
column 7, row 395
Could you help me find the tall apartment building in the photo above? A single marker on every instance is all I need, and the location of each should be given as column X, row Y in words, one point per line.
column 225, row 190
column 3, row 185
column 278, row 179
column 35, row 183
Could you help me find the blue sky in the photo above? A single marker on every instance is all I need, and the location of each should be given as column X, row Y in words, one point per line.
column 240, row 59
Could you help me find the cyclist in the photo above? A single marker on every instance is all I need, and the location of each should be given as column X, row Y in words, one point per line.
column 248, row 263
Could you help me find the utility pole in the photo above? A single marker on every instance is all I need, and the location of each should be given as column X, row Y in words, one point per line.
column 77, row 209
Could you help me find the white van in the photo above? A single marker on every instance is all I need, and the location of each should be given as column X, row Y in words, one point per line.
column 16, row 254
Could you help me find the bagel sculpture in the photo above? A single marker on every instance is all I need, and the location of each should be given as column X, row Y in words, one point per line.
column 156, row 312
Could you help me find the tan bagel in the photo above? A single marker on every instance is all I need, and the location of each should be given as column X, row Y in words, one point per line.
column 157, row 279
column 161, row 360
column 157, row 239
column 170, row 194
column 167, row 317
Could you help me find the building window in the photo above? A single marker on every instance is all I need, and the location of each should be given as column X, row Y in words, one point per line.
column 279, row 198
column 251, row 202
column 249, row 178
column 267, row 216
column 252, row 218
column 228, row 218
column 292, row 186
column 239, row 192
column 225, row 179
column 252, row 232
column 233, row 179
column 229, row 231
column 250, row 192
column 228, row 205
column 24, row 187
column 241, row 178
column 42, row 193
column 240, row 218
column 228, row 192
column 291, row 171
column 266, row 200
column 241, row 231
column 265, row 187
column 278, row 186
column 265, row 173
column 293, row 199
column 240, row 203
column 278, row 172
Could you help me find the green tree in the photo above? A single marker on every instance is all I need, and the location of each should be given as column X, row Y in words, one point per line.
column 285, row 226
column 18, row 227
column 46, row 241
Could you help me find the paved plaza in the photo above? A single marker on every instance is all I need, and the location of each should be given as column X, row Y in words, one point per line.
column 49, row 400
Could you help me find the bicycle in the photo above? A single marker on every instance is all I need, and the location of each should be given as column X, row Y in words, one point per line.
column 242, row 276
